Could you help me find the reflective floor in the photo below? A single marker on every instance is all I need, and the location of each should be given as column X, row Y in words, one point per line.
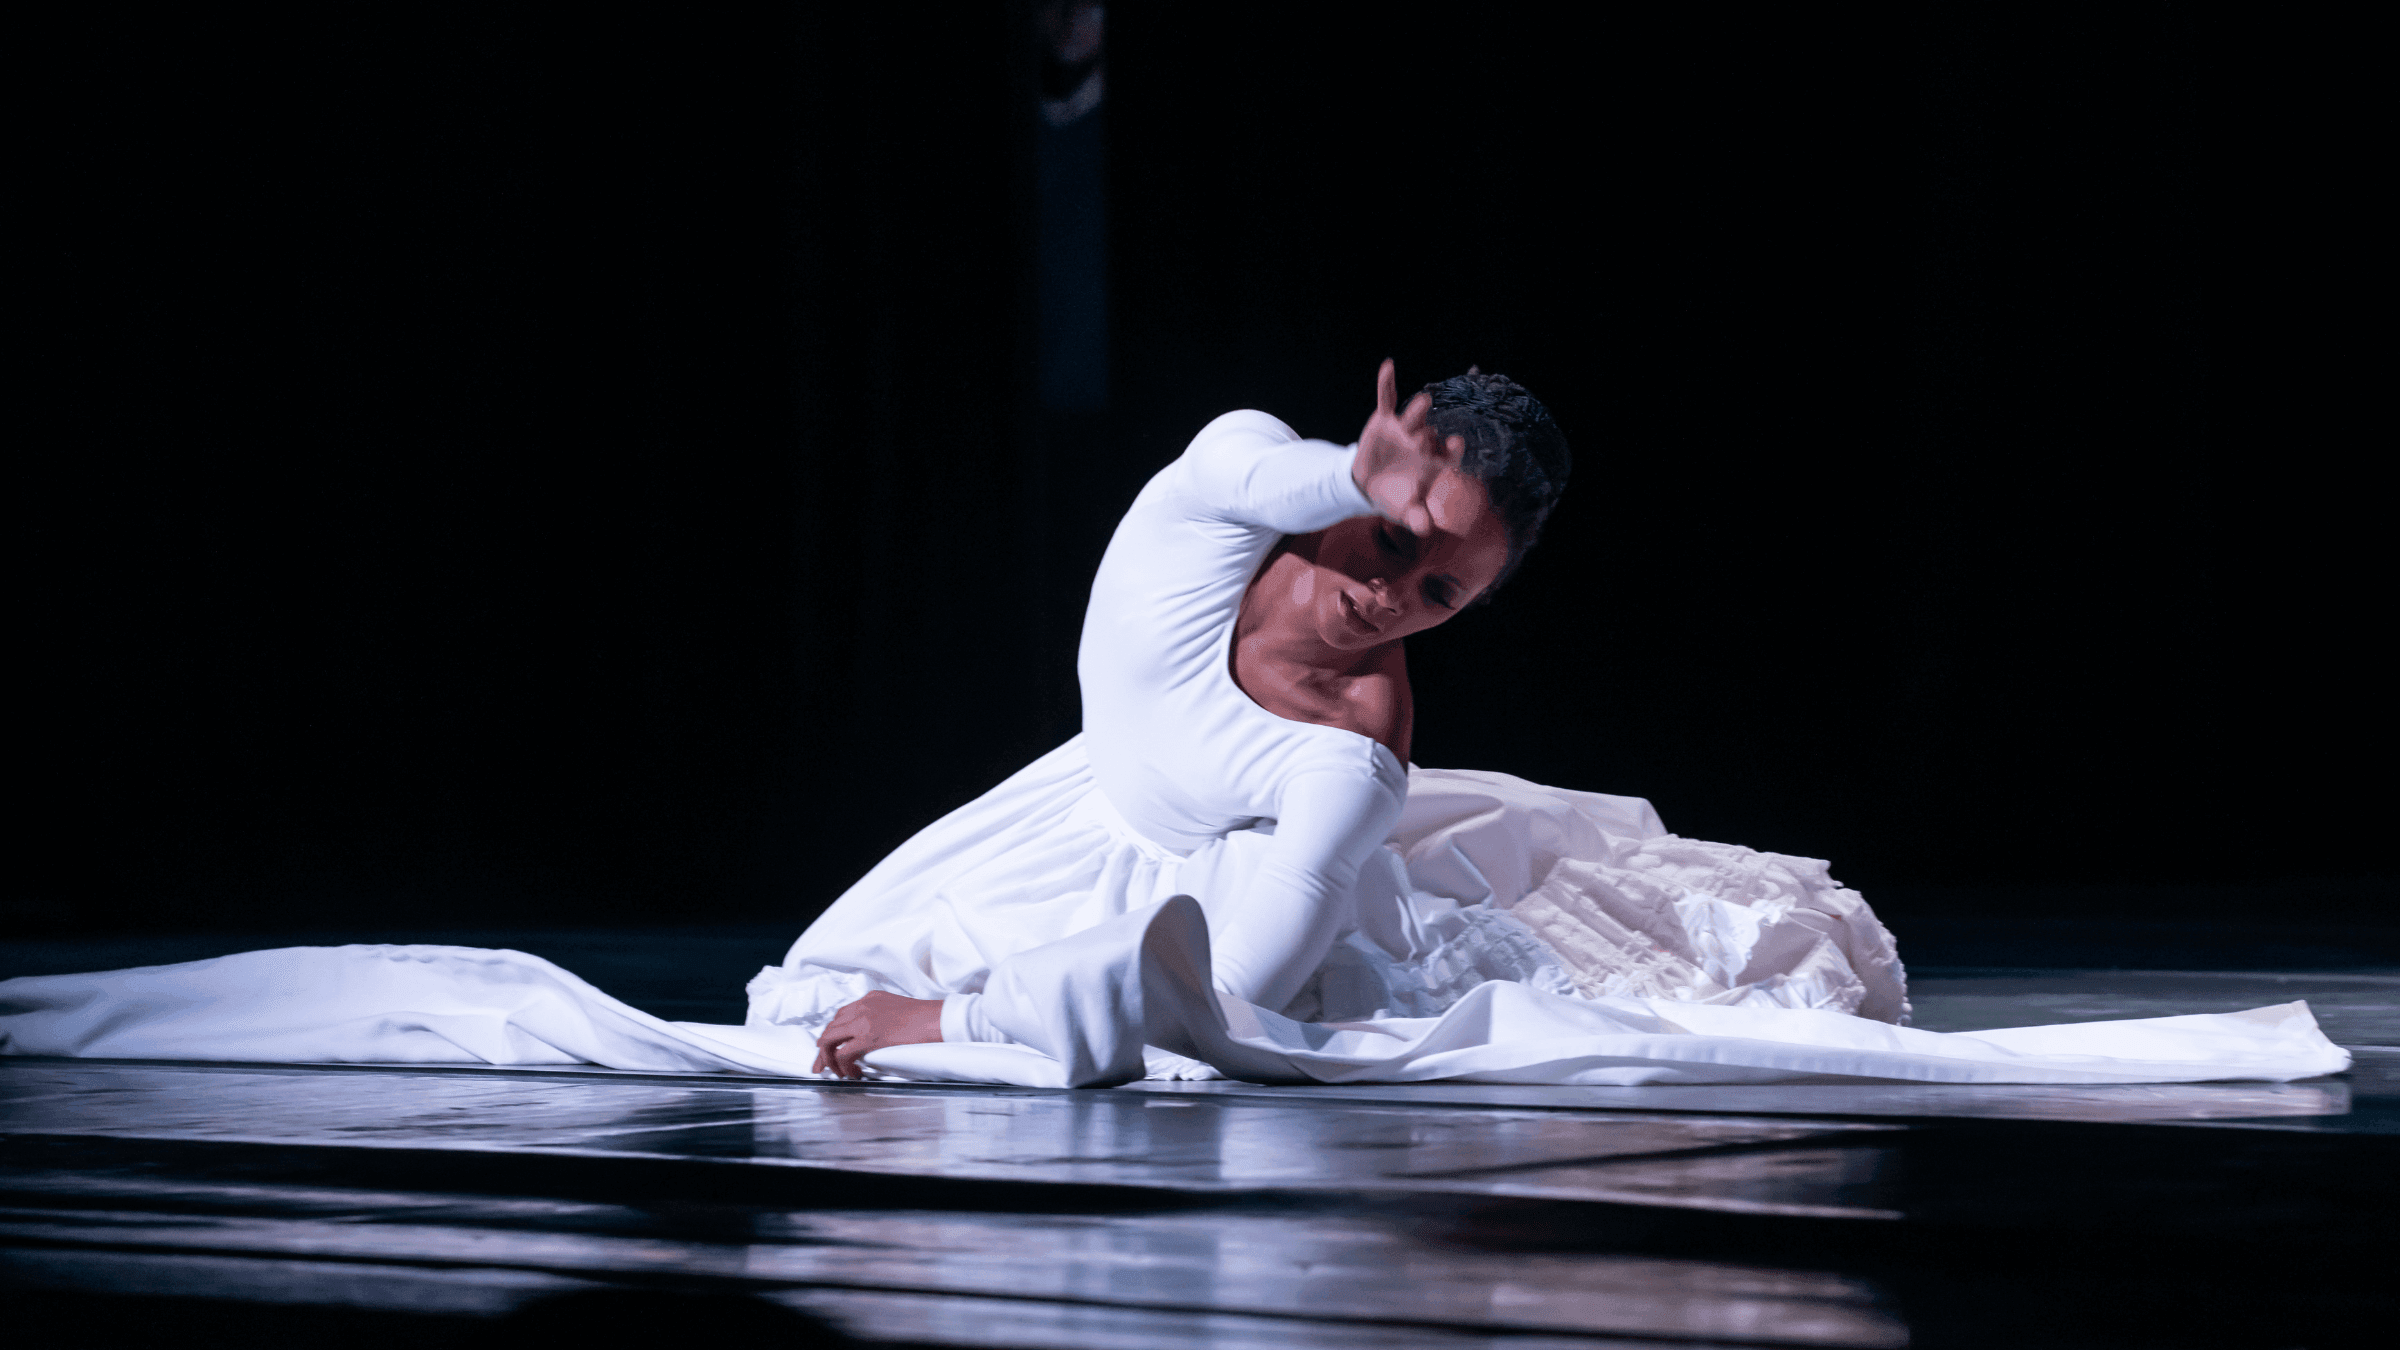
column 187, row 1204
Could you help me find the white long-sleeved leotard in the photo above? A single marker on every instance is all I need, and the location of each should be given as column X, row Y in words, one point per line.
column 1181, row 752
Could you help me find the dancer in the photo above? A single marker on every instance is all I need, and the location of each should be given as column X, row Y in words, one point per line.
column 1235, row 869
column 1247, row 722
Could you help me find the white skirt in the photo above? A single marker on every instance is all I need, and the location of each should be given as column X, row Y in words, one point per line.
column 1486, row 877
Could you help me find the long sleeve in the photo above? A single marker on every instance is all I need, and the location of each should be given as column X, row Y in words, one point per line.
column 964, row 1019
column 1171, row 584
column 1269, row 936
column 1247, row 468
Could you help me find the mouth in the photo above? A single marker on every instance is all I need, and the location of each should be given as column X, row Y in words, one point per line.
column 1350, row 612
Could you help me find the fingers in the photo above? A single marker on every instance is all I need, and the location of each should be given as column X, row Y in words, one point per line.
column 839, row 1057
column 1419, row 408
column 1387, row 387
column 830, row 1040
column 847, row 1055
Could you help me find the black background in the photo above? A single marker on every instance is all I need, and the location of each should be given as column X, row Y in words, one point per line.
column 501, row 464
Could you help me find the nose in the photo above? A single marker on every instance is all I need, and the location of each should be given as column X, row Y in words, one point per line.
column 1380, row 590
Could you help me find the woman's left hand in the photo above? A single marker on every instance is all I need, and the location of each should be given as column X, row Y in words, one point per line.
column 871, row 1023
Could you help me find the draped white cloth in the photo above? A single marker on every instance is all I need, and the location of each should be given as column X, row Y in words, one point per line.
column 1197, row 887
column 1085, row 1012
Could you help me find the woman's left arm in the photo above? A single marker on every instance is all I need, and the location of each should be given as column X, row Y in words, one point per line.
column 1268, row 940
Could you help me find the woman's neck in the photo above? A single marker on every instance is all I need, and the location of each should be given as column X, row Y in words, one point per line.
column 1287, row 668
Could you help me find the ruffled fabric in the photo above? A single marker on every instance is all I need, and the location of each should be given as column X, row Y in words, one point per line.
column 1585, row 894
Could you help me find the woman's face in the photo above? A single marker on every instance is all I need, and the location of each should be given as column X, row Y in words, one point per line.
column 1368, row 581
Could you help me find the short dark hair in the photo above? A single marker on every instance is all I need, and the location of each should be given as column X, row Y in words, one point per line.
column 1513, row 448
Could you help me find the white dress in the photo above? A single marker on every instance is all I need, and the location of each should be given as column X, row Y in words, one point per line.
column 1337, row 885
column 1348, row 918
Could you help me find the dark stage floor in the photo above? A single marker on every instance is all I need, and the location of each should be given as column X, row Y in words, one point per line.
column 205, row 1204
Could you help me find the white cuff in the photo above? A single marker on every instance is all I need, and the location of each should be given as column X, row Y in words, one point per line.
column 963, row 1021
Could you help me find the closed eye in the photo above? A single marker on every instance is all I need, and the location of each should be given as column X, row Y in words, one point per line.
column 1442, row 590
column 1392, row 545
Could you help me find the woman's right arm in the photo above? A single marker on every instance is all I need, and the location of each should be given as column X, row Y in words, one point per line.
column 1247, row 468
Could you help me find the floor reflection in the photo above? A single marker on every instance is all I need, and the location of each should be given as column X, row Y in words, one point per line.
column 1202, row 1215
column 2328, row 1099
column 1321, row 1265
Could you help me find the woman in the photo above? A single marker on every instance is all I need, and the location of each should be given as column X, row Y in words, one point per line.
column 1234, row 869
column 1247, row 721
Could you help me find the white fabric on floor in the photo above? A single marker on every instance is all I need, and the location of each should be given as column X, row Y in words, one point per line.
column 1081, row 1012
column 372, row 1005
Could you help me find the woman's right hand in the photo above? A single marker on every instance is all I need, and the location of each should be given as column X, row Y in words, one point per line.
column 871, row 1023
column 1399, row 457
